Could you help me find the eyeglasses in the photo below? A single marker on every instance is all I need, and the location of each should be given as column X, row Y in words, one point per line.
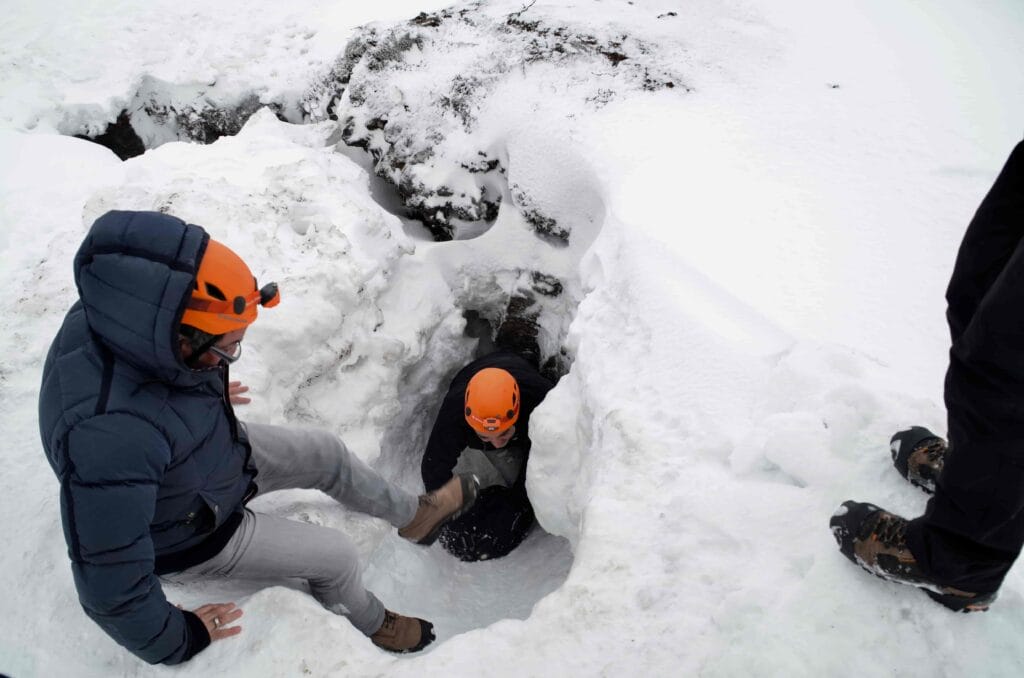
column 229, row 353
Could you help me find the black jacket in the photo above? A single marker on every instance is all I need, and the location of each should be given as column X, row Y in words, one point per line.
column 451, row 434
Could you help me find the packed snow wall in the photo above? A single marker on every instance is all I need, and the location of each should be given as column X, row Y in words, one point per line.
column 759, row 308
column 477, row 214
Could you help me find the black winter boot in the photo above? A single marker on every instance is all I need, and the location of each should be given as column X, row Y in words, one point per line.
column 919, row 455
column 877, row 541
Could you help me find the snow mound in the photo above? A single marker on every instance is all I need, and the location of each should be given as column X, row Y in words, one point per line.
column 739, row 279
column 432, row 98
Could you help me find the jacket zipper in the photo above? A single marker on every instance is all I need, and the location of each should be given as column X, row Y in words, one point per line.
column 233, row 421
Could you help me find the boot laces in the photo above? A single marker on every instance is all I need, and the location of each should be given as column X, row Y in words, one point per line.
column 891, row 531
column 935, row 451
column 390, row 620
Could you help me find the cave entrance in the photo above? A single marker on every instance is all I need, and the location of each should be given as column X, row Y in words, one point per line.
column 459, row 596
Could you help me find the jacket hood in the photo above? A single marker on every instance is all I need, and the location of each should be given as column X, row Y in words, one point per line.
column 135, row 272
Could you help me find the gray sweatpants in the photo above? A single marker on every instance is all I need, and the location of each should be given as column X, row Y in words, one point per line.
column 267, row 547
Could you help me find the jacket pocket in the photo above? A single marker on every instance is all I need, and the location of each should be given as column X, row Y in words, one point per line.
column 202, row 518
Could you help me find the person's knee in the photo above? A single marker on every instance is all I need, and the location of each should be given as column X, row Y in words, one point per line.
column 341, row 566
column 326, row 456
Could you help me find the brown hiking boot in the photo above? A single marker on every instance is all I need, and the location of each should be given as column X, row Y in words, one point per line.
column 877, row 541
column 438, row 507
column 403, row 634
column 919, row 456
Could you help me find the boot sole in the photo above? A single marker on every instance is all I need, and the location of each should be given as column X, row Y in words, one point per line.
column 924, row 488
column 949, row 601
column 958, row 604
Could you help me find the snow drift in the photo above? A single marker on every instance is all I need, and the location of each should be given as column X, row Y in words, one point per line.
column 748, row 265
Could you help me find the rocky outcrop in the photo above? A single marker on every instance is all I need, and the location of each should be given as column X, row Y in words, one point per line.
column 161, row 111
column 422, row 97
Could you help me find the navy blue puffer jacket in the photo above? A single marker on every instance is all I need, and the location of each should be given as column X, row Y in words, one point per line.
column 148, row 452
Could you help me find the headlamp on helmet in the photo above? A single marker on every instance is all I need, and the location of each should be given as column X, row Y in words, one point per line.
column 226, row 293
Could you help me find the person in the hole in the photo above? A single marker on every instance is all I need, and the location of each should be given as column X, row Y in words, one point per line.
column 136, row 418
column 482, row 435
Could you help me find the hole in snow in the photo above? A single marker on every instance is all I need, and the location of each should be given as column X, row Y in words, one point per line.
column 460, row 596
column 523, row 280
column 161, row 111
column 120, row 137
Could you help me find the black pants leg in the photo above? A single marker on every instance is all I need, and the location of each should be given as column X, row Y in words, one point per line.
column 973, row 528
column 498, row 522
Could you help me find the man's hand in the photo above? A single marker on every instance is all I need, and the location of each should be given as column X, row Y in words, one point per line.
column 217, row 616
column 235, row 391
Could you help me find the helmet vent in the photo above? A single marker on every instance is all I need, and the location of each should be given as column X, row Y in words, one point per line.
column 215, row 292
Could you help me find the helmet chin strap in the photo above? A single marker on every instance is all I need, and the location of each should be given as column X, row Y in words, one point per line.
column 193, row 360
column 199, row 342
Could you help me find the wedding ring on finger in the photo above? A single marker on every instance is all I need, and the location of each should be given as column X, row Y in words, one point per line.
column 216, row 622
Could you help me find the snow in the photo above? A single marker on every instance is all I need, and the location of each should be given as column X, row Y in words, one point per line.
column 752, row 305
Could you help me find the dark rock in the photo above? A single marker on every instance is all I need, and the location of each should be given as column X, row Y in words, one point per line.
column 483, row 165
column 391, row 50
column 652, row 84
column 544, row 226
column 614, row 57
column 428, row 20
column 547, row 228
column 519, row 329
column 429, row 121
column 556, row 366
column 544, row 284
column 207, row 124
column 461, row 100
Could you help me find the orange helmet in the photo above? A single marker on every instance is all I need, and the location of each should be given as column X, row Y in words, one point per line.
column 226, row 294
column 492, row 400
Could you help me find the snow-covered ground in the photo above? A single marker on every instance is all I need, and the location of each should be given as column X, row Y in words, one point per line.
column 752, row 264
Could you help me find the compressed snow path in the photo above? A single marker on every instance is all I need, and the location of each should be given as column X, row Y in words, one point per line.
column 754, row 304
